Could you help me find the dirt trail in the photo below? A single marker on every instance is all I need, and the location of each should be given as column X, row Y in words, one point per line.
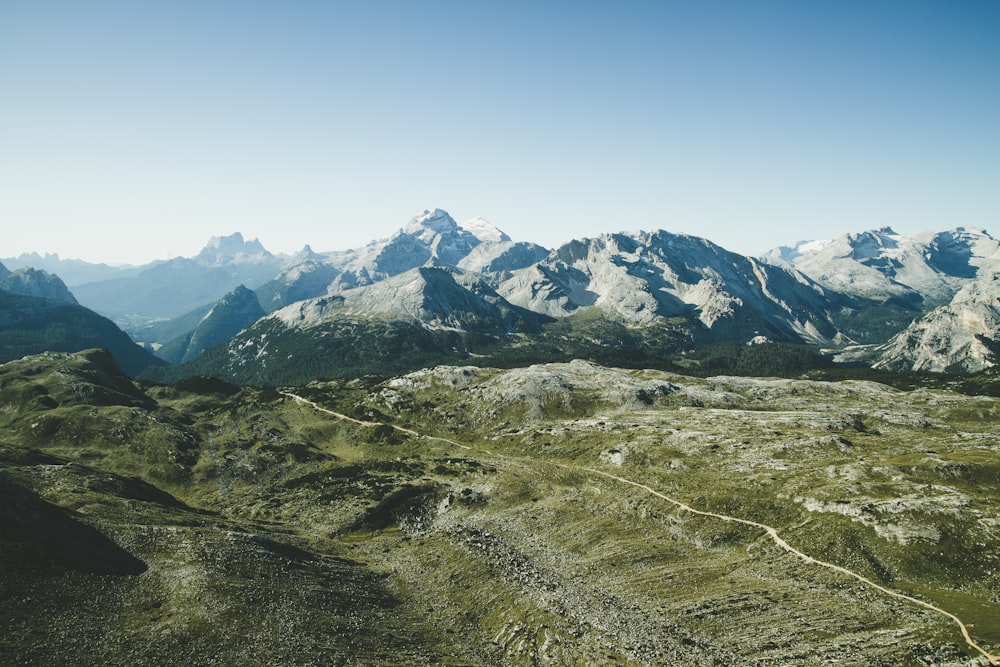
column 994, row 660
column 772, row 532
column 359, row 422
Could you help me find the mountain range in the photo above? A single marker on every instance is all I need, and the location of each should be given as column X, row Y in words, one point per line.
column 467, row 289
column 448, row 447
column 170, row 288
column 925, row 269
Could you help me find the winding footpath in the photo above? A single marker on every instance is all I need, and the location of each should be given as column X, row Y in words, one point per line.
column 772, row 532
column 994, row 660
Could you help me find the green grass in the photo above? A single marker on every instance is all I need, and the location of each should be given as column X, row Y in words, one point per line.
column 253, row 513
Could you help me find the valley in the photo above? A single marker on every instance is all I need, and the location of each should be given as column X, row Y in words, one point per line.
column 442, row 292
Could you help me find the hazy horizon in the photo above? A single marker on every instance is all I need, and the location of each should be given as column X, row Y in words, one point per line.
column 130, row 127
column 248, row 238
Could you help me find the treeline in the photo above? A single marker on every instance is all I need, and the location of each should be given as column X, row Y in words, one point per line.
column 346, row 349
column 364, row 347
column 983, row 383
column 31, row 325
column 763, row 359
column 285, row 357
column 876, row 321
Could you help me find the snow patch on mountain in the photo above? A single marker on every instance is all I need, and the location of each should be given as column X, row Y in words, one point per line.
column 881, row 264
column 785, row 256
column 484, row 231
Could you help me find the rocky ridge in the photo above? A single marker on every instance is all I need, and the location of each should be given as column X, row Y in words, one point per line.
column 881, row 264
column 436, row 298
column 430, row 239
column 32, row 325
column 230, row 315
column 960, row 336
column 860, row 288
column 36, row 282
column 637, row 278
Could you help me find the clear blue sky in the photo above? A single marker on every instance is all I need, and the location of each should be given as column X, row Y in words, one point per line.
column 135, row 130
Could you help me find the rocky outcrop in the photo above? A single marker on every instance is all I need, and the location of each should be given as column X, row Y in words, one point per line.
column 233, row 313
column 437, row 298
column 925, row 269
column 430, row 239
column 36, row 282
column 638, row 278
column 232, row 249
column 308, row 275
column 963, row 335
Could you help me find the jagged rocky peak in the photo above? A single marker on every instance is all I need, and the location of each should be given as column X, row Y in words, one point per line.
column 232, row 248
column 241, row 294
column 881, row 264
column 235, row 311
column 926, row 268
column 502, row 257
column 873, row 244
column 445, row 239
column 963, row 335
column 231, row 314
column 578, row 249
column 36, row 282
column 307, row 275
column 962, row 252
column 438, row 228
column 435, row 297
column 640, row 277
column 306, row 253
column 432, row 238
column 4, row 271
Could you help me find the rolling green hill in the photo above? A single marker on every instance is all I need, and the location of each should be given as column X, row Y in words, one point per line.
column 562, row 513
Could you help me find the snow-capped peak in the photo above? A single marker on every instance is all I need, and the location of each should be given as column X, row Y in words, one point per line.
column 483, row 230
column 812, row 247
column 787, row 255
column 437, row 221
